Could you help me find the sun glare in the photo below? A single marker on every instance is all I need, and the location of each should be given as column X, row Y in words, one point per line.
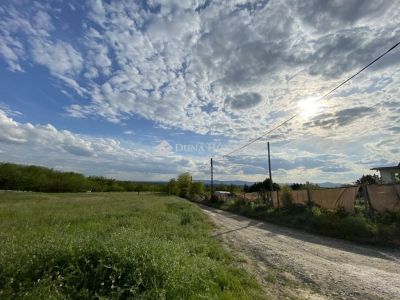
column 308, row 107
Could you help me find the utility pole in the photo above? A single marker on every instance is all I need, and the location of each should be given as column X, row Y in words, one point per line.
column 212, row 180
column 271, row 187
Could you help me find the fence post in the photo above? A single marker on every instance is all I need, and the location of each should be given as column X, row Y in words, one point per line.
column 309, row 203
column 277, row 199
column 367, row 204
column 269, row 198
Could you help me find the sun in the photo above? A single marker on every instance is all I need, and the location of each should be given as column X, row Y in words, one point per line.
column 308, row 107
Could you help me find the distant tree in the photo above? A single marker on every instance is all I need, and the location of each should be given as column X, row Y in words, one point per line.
column 296, row 186
column 196, row 188
column 368, row 179
column 173, row 187
column 262, row 186
column 267, row 185
column 304, row 186
column 231, row 188
column 184, row 183
column 139, row 188
column 115, row 187
column 310, row 185
column 221, row 187
column 286, row 196
column 41, row 179
column 128, row 186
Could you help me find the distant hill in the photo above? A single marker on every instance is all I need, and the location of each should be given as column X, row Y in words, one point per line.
column 249, row 183
column 329, row 184
column 228, row 182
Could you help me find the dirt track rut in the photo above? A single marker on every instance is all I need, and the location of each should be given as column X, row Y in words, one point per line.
column 339, row 269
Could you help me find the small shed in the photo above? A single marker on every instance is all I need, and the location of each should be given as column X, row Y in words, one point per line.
column 388, row 174
column 222, row 195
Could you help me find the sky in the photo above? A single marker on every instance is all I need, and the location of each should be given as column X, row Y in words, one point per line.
column 147, row 89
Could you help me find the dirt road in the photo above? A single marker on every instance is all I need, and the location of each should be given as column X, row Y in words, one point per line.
column 336, row 269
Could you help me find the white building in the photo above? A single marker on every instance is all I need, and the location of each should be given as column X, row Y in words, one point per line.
column 388, row 174
column 222, row 195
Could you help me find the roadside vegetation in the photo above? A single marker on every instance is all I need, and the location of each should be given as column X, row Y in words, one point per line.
column 380, row 229
column 114, row 245
column 364, row 227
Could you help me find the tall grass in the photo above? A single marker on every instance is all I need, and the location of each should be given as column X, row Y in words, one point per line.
column 114, row 245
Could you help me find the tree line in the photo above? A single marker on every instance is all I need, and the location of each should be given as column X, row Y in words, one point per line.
column 262, row 186
column 42, row 179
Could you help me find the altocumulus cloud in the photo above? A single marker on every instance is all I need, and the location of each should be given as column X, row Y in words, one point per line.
column 230, row 68
column 244, row 101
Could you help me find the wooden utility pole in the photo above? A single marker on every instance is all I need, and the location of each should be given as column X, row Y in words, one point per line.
column 271, row 187
column 212, row 180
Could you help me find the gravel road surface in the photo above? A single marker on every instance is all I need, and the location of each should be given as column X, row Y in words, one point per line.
column 337, row 269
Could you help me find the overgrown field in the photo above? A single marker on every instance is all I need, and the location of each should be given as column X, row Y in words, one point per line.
column 379, row 229
column 112, row 245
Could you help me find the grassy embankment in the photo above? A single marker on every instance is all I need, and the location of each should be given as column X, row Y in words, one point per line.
column 114, row 245
column 378, row 229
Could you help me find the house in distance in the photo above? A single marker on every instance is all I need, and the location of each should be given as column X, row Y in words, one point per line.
column 389, row 174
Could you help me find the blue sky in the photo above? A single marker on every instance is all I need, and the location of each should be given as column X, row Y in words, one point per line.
column 144, row 90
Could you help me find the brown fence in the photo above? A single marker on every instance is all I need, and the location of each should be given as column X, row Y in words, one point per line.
column 384, row 197
column 300, row 197
column 325, row 198
column 340, row 198
column 250, row 196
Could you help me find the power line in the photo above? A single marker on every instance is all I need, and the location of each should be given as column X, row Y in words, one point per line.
column 319, row 99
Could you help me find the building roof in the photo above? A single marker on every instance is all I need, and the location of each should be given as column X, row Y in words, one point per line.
column 222, row 192
column 397, row 168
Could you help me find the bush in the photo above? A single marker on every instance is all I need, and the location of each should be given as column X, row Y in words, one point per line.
column 356, row 227
column 196, row 188
column 286, row 196
column 184, row 183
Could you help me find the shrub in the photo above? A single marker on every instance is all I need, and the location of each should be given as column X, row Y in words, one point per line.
column 184, row 183
column 316, row 211
column 355, row 227
column 286, row 196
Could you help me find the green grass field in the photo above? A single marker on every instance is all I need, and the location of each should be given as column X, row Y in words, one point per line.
column 112, row 245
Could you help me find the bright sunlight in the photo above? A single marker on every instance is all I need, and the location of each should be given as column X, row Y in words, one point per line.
column 309, row 107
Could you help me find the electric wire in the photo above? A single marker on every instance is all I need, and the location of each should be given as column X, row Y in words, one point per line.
column 319, row 99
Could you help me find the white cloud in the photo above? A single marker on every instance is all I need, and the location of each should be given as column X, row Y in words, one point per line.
column 230, row 68
column 59, row 57
column 180, row 67
column 46, row 145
